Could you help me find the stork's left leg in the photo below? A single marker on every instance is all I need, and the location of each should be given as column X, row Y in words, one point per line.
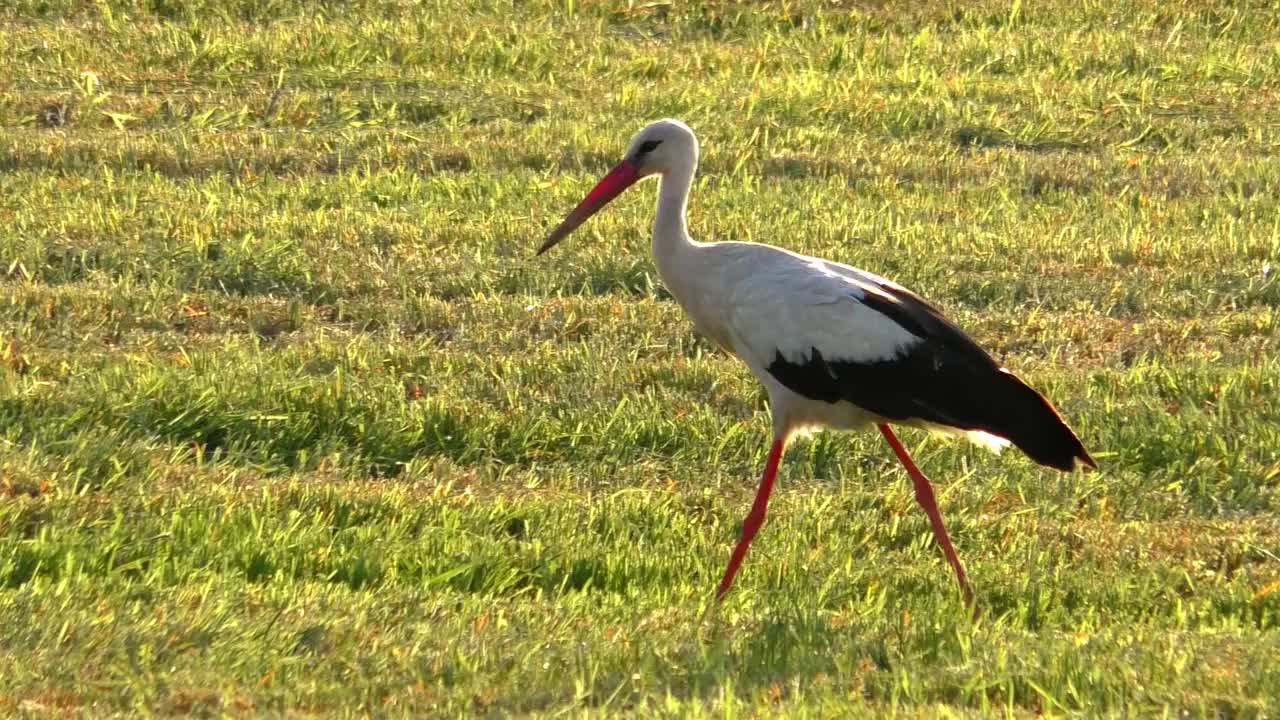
column 924, row 496
column 755, row 518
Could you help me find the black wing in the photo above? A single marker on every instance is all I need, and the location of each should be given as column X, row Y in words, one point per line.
column 944, row 379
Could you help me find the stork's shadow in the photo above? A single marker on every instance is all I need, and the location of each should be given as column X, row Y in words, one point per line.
column 782, row 652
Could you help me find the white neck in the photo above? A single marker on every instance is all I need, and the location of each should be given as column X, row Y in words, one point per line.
column 670, row 233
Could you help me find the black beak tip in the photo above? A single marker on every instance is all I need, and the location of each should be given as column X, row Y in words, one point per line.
column 547, row 244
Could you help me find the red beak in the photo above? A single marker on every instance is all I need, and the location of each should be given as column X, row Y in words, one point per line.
column 623, row 176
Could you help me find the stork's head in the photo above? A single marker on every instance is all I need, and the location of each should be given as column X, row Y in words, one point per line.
column 662, row 147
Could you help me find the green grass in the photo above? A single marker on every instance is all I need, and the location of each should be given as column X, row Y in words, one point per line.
column 293, row 423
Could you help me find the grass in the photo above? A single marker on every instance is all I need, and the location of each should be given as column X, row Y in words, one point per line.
column 292, row 423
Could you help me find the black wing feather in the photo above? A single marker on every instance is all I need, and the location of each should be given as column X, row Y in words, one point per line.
column 946, row 379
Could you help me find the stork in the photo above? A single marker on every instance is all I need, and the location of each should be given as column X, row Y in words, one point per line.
column 834, row 346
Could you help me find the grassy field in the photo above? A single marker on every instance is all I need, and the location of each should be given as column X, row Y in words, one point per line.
column 293, row 423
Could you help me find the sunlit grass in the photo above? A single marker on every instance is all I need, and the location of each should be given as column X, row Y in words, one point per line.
column 292, row 422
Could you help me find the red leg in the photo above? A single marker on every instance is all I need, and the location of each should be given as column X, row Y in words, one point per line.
column 755, row 518
column 924, row 496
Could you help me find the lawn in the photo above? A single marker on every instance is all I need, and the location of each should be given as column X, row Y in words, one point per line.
column 292, row 422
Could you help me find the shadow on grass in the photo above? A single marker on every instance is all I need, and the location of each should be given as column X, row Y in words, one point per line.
column 989, row 138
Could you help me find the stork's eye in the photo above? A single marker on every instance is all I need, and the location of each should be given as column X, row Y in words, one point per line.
column 648, row 146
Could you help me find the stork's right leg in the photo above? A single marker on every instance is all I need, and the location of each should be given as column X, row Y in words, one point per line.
column 924, row 496
column 755, row 518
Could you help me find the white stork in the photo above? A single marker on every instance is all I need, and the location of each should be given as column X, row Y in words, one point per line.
column 834, row 346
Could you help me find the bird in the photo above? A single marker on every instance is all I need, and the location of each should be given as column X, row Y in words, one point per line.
column 835, row 347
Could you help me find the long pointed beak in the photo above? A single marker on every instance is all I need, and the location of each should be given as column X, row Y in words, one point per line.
column 621, row 177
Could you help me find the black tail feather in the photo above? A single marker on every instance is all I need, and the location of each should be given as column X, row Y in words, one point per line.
column 1025, row 418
